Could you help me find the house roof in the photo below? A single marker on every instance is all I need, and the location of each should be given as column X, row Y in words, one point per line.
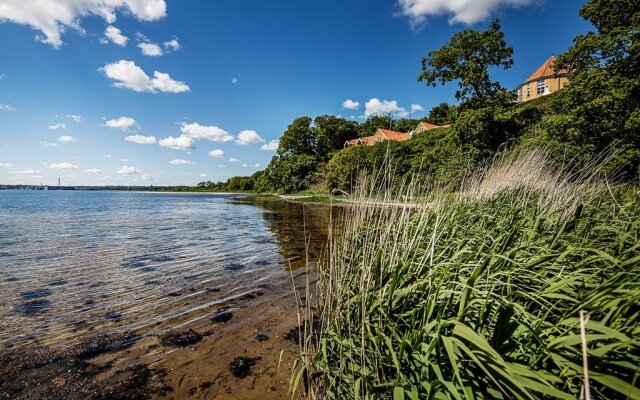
column 366, row 139
column 546, row 69
column 429, row 125
column 395, row 136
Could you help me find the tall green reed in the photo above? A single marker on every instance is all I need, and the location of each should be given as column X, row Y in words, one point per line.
column 477, row 293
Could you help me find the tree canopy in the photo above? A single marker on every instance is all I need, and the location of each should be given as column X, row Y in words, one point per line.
column 466, row 58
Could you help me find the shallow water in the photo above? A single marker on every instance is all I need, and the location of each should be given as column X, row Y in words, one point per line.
column 76, row 263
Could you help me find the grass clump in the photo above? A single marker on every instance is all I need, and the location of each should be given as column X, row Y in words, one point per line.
column 479, row 295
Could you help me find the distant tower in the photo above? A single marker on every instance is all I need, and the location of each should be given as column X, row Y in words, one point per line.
column 58, row 182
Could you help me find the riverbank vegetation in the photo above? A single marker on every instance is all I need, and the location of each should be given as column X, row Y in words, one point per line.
column 481, row 293
column 599, row 109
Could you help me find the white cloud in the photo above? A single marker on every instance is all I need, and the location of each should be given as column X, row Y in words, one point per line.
column 211, row 133
column 181, row 142
column 203, row 175
column 464, row 11
column 350, row 104
column 122, row 123
column 115, row 36
column 222, row 166
column 57, row 126
column 172, row 45
column 48, row 144
column 5, row 165
column 192, row 132
column 146, row 177
column 125, row 170
column 63, row 166
column 271, row 145
column 130, row 76
column 416, row 108
column 245, row 165
column 66, row 139
column 234, row 80
column 150, row 49
column 233, row 160
column 140, row 139
column 92, row 171
column 53, row 18
column 123, row 160
column 29, row 171
column 216, row 153
column 75, row 118
column 376, row 107
column 179, row 161
column 249, row 137
column 257, row 165
column 7, row 107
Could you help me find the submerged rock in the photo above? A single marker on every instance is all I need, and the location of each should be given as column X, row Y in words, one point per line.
column 240, row 367
column 182, row 339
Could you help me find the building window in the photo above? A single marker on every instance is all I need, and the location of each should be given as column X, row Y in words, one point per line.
column 528, row 90
column 540, row 87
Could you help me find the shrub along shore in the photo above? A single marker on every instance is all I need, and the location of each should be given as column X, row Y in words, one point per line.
column 480, row 295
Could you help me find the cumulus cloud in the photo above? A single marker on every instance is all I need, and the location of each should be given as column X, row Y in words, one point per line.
column 57, row 126
column 194, row 131
column 416, row 108
column 462, row 11
column 75, row 118
column 385, row 107
column 122, row 123
column 181, row 142
column 48, row 144
column 5, row 165
column 271, row 145
column 216, row 153
column 140, row 139
column 7, row 107
column 146, row 177
column 234, row 80
column 92, row 171
column 115, row 36
column 350, row 104
column 203, row 175
column 52, row 19
column 130, row 76
column 249, row 137
column 126, row 170
column 150, row 49
column 66, row 139
column 63, row 166
column 179, row 161
column 233, row 160
column 172, row 45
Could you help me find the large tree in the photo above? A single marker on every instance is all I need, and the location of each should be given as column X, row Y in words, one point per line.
column 614, row 44
column 332, row 132
column 466, row 58
column 300, row 138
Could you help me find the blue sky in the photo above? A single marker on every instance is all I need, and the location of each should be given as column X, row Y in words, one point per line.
column 171, row 92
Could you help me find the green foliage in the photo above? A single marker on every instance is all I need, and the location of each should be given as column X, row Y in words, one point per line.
column 290, row 173
column 466, row 58
column 481, row 300
column 442, row 114
column 332, row 132
column 299, row 138
column 615, row 43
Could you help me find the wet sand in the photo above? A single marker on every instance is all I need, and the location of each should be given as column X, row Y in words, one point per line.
column 228, row 346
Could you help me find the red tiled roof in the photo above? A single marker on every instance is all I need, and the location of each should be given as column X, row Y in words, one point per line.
column 546, row 69
column 395, row 136
column 429, row 126
column 367, row 139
